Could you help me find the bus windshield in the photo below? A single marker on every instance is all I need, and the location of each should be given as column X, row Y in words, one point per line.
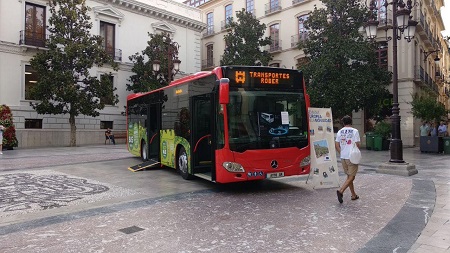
column 266, row 120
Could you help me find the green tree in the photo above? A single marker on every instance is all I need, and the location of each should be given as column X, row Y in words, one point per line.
column 341, row 70
column 427, row 108
column 244, row 40
column 160, row 47
column 65, row 85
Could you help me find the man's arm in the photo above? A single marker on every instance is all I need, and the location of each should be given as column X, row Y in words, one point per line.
column 338, row 146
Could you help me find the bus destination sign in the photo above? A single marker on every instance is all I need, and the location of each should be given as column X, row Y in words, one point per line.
column 263, row 77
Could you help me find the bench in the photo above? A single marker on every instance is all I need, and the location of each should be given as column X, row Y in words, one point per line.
column 117, row 135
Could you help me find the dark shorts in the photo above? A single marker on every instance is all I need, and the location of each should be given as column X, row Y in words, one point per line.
column 349, row 168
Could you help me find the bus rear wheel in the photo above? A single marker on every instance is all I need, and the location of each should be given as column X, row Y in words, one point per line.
column 144, row 151
column 182, row 163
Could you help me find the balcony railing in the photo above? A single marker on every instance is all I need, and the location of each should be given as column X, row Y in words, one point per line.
column 275, row 46
column 419, row 73
column 224, row 24
column 208, row 63
column 32, row 38
column 209, row 32
column 294, row 2
column 295, row 39
column 272, row 8
column 115, row 53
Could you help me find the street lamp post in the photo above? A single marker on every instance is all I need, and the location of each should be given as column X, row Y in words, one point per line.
column 173, row 63
column 402, row 24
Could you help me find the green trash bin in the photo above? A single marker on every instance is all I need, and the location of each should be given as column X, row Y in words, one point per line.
column 377, row 143
column 446, row 141
column 369, row 140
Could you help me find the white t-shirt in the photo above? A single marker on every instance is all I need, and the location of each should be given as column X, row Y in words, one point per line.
column 346, row 137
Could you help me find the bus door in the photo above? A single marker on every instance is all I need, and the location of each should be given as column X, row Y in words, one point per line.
column 154, row 127
column 202, row 136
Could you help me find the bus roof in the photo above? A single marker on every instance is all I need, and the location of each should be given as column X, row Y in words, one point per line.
column 174, row 83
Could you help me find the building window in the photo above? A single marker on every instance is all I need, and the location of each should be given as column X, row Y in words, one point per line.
column 106, row 124
column 302, row 31
column 210, row 23
column 382, row 54
column 382, row 12
column 34, row 25
column 250, row 6
column 274, row 5
column 228, row 13
column 107, row 31
column 33, row 123
column 195, row 3
column 31, row 79
column 209, row 55
column 108, row 99
column 275, row 36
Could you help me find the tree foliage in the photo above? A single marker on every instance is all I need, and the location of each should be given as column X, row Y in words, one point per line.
column 160, row 47
column 427, row 108
column 342, row 71
column 65, row 85
column 244, row 40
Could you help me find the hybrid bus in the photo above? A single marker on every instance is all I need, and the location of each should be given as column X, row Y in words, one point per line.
column 231, row 124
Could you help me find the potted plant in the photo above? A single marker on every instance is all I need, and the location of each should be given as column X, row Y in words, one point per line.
column 9, row 134
column 427, row 108
column 382, row 130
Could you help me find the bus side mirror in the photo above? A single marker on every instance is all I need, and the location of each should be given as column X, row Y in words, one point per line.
column 224, row 91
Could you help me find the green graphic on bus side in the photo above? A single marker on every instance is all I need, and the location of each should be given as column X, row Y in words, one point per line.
column 136, row 132
column 168, row 143
column 164, row 150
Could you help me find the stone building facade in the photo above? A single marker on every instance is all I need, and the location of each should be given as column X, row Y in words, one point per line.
column 284, row 20
column 124, row 24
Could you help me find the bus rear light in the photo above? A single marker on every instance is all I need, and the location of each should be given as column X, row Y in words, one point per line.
column 233, row 167
column 305, row 161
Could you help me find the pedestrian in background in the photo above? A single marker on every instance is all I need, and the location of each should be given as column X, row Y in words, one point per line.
column 110, row 135
column 433, row 131
column 442, row 130
column 345, row 139
column 424, row 129
column 2, row 128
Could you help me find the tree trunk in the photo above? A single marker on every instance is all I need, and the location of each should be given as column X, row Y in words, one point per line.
column 73, row 131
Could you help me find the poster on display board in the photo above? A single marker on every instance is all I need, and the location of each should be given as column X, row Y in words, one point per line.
column 324, row 170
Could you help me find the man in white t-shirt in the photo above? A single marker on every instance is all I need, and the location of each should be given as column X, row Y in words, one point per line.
column 343, row 143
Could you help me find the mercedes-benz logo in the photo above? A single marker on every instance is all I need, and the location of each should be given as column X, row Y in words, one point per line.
column 274, row 164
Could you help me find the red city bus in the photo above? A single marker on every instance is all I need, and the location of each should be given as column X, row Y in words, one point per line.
column 231, row 124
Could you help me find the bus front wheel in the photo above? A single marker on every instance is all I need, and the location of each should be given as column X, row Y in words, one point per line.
column 182, row 163
column 144, row 151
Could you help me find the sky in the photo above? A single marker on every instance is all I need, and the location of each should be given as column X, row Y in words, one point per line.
column 445, row 13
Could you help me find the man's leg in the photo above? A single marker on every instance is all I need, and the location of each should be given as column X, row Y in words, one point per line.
column 112, row 139
column 348, row 183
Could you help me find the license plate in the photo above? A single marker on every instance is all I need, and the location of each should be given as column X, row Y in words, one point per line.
column 275, row 175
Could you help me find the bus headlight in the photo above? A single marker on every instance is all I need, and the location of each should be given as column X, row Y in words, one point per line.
column 233, row 167
column 305, row 161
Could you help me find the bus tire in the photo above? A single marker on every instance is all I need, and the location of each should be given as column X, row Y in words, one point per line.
column 144, row 151
column 182, row 163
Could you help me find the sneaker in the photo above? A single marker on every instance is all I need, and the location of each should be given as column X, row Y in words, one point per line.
column 1, row 153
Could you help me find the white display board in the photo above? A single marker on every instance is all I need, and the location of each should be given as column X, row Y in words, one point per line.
column 324, row 169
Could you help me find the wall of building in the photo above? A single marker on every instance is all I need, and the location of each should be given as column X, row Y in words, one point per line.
column 410, row 58
column 133, row 21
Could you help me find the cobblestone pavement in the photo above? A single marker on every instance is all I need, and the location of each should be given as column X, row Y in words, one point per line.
column 37, row 158
column 157, row 211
